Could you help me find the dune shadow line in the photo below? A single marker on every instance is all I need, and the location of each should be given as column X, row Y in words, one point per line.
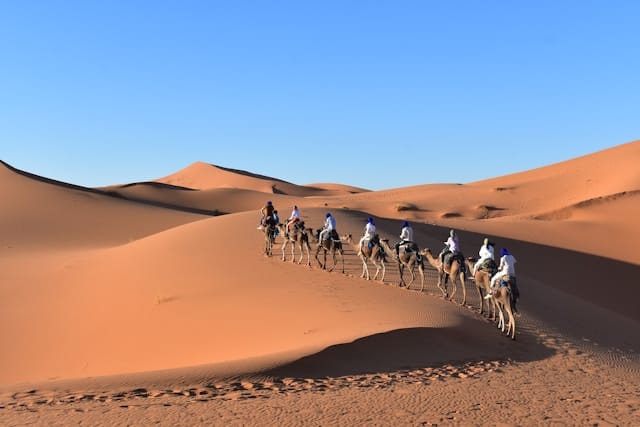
column 412, row 348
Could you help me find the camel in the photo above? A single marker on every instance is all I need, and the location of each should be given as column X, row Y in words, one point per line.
column 376, row 255
column 408, row 260
column 482, row 279
column 298, row 236
column 332, row 245
column 269, row 238
column 502, row 297
column 500, row 301
column 455, row 271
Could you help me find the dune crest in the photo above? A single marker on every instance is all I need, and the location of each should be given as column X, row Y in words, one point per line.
column 204, row 176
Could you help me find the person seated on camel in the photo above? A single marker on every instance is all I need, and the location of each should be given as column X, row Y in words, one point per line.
column 266, row 212
column 328, row 228
column 406, row 237
column 506, row 269
column 369, row 231
column 486, row 252
column 293, row 218
column 452, row 245
column 275, row 220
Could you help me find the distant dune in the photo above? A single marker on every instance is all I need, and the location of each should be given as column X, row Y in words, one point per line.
column 139, row 303
column 203, row 176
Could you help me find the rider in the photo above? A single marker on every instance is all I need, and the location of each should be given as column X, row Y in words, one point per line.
column 486, row 252
column 369, row 231
column 406, row 237
column 329, row 226
column 451, row 245
column 507, row 268
column 293, row 218
column 266, row 212
column 276, row 220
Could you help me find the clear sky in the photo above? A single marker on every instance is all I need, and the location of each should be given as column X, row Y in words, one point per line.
column 377, row 94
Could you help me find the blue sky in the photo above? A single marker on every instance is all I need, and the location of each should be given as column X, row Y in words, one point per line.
column 375, row 94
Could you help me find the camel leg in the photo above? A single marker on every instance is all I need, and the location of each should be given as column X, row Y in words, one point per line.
column 333, row 257
column 365, row 269
column 379, row 266
column 481, row 296
column 442, row 288
column 384, row 271
column 464, row 288
column 494, row 309
column 401, row 271
column 284, row 247
column 304, row 247
column 342, row 260
column 511, row 327
column 318, row 259
column 512, row 324
column 453, row 285
column 413, row 277
column 500, row 318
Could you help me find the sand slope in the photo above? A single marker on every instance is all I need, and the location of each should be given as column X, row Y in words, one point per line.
column 42, row 213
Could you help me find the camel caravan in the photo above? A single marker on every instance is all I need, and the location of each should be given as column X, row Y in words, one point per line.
column 495, row 283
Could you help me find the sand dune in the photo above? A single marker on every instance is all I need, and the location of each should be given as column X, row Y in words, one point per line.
column 151, row 302
column 203, row 176
column 42, row 213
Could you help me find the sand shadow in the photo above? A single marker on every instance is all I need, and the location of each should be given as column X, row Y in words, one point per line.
column 585, row 296
column 451, row 215
column 487, row 211
column 415, row 348
column 250, row 174
column 158, row 185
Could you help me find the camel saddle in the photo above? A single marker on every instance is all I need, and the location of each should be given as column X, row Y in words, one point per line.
column 489, row 266
column 374, row 241
column 298, row 226
column 332, row 235
column 449, row 257
column 410, row 247
column 270, row 221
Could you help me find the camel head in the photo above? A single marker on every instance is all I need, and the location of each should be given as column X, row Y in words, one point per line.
column 347, row 238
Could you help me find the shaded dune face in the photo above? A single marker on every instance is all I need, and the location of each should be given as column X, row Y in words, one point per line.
column 170, row 274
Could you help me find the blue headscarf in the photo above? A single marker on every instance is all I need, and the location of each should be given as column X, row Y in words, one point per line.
column 504, row 252
column 370, row 220
column 328, row 215
column 405, row 224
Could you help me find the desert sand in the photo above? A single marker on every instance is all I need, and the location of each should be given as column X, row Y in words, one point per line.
column 154, row 303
